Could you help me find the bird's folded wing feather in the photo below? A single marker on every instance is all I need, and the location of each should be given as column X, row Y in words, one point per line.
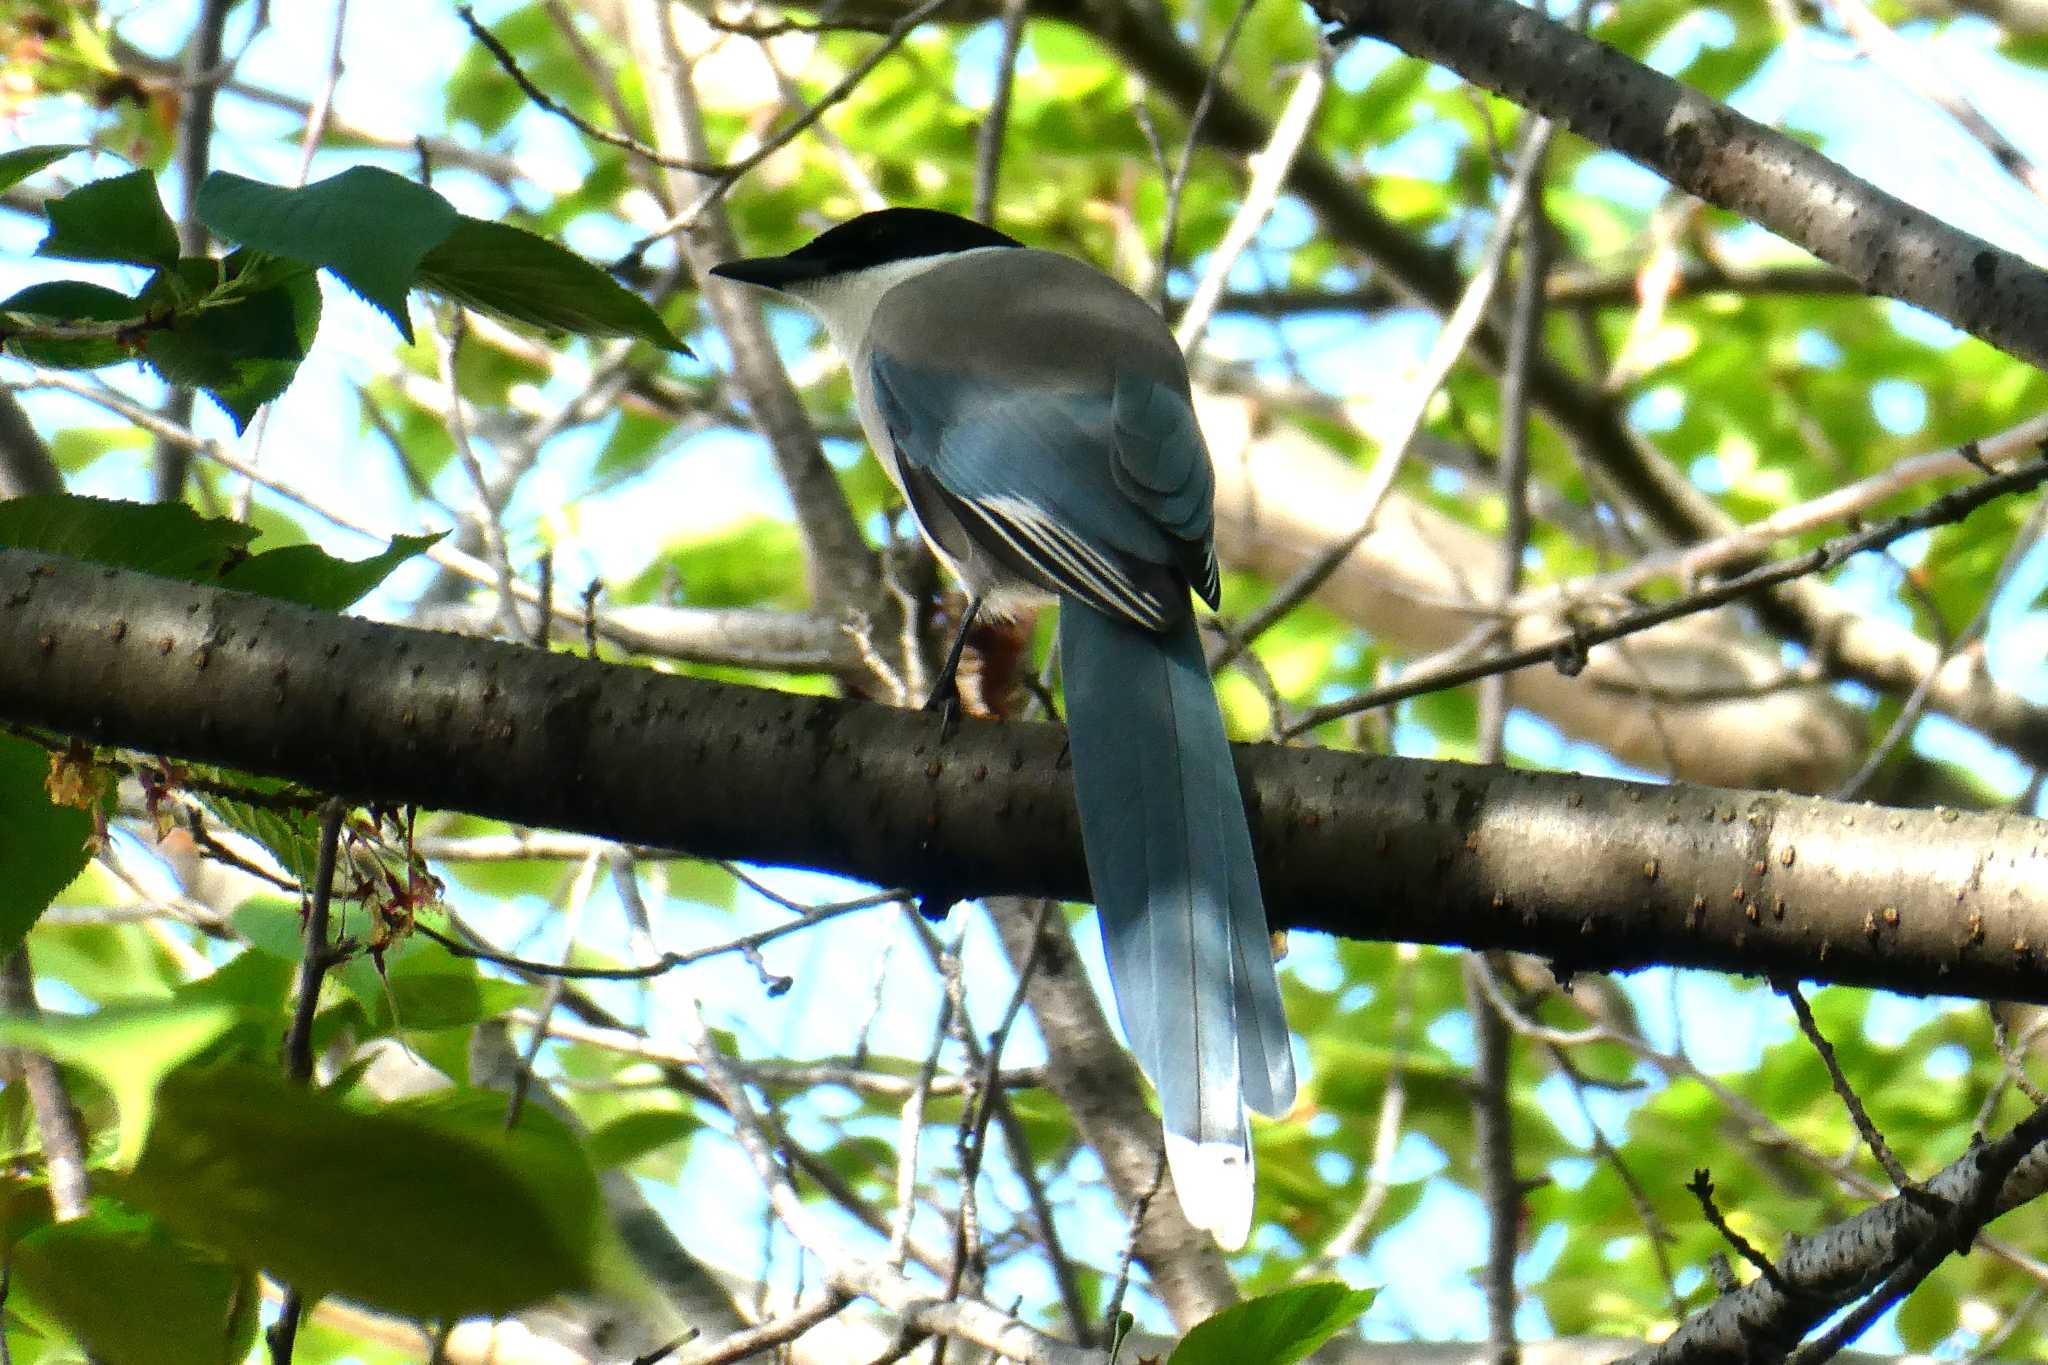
column 1099, row 495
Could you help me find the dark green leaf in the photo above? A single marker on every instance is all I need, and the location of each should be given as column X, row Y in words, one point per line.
column 403, row 1209
column 511, row 273
column 133, row 1295
column 43, row 845
column 121, row 219
column 311, row 577
column 631, row 1136
column 1120, row 1329
column 405, row 1001
column 368, row 226
column 167, row 539
column 23, row 162
column 63, row 301
column 1274, row 1329
column 172, row 541
column 243, row 352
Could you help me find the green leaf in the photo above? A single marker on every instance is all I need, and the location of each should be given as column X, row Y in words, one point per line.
column 243, row 351
column 291, row 835
column 631, row 1136
column 513, row 274
column 173, row 541
column 271, row 925
column 1120, row 1329
column 130, row 1050
column 43, row 845
column 131, row 1294
column 427, row 1000
column 23, row 162
column 1274, row 1329
column 62, row 301
column 368, row 226
column 311, row 577
column 408, row 1209
column 120, row 219
column 167, row 539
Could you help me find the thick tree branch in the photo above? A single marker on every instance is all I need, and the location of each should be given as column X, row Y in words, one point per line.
column 1587, row 872
column 1823, row 1273
column 1707, row 149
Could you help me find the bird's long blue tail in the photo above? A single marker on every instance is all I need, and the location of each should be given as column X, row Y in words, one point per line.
column 1184, row 928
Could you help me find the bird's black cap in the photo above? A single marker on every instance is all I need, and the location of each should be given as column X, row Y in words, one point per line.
column 869, row 240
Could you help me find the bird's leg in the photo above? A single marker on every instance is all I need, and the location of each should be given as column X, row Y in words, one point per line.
column 945, row 695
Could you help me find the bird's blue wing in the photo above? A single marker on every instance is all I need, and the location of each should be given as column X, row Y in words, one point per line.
column 1102, row 496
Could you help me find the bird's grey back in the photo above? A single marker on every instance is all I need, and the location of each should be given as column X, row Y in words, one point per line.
column 1039, row 319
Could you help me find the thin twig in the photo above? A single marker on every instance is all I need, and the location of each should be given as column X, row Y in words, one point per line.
column 1494, row 1153
column 787, row 642
column 967, row 1319
column 1872, row 1138
column 1567, row 650
column 509, row 64
column 1919, row 69
column 316, row 955
column 1688, row 564
column 724, row 178
column 488, row 513
column 1269, row 173
column 1523, row 330
column 57, row 1121
column 667, row 962
column 1386, row 1137
column 988, row 159
column 760, row 1341
column 1457, row 334
column 1702, row 1187
column 551, row 998
column 910, row 1131
column 1177, row 183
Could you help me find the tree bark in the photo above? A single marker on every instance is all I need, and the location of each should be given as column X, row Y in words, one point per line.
column 1590, row 873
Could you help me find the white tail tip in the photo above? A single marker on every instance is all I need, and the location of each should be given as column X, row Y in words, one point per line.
column 1214, row 1181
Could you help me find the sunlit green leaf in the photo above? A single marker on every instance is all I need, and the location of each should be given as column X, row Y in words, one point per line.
column 132, row 1294
column 70, row 302
column 243, row 351
column 1280, row 1328
column 411, row 1209
column 130, row 1049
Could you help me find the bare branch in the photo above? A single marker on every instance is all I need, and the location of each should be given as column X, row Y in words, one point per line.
column 840, row 567
column 57, row 1121
column 1889, row 246
column 1567, row 651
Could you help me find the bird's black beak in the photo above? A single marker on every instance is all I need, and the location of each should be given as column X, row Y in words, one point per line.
column 769, row 272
